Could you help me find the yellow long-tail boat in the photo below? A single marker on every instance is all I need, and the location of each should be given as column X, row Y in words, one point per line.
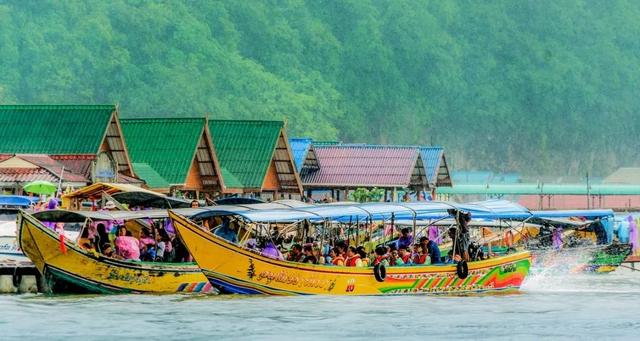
column 234, row 269
column 62, row 261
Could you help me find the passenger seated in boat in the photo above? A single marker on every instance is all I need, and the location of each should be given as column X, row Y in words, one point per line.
column 337, row 259
column 102, row 237
column 394, row 259
column 295, row 254
column 328, row 258
column 405, row 239
column 108, row 251
column 363, row 256
column 271, row 251
column 405, row 255
column 308, row 257
column 127, row 246
column 148, row 253
column 432, row 249
column 353, row 258
column 228, row 231
column 381, row 256
column 160, row 247
column 146, row 238
column 422, row 258
column 85, row 242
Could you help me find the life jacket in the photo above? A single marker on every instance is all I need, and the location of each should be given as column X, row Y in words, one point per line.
column 338, row 258
column 352, row 261
column 378, row 260
column 406, row 258
column 422, row 259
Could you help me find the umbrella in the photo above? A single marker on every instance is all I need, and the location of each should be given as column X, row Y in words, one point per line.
column 40, row 187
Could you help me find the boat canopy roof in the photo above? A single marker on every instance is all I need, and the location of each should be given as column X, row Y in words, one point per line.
column 67, row 216
column 492, row 209
column 290, row 211
column 95, row 191
column 150, row 199
column 588, row 214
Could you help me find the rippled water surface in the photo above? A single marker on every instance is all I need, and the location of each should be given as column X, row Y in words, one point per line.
column 551, row 306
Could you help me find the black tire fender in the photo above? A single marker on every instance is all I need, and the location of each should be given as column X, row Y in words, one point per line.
column 380, row 272
column 462, row 269
column 16, row 278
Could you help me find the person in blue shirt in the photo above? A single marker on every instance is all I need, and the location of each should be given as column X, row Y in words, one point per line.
column 405, row 240
column 228, row 231
column 433, row 249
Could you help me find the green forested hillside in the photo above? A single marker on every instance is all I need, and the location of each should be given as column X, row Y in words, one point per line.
column 533, row 86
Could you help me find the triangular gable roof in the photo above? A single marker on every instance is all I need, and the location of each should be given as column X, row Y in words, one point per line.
column 163, row 149
column 436, row 166
column 63, row 130
column 246, row 149
column 304, row 154
column 359, row 165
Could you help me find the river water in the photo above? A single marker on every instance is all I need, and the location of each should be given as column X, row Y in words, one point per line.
column 550, row 306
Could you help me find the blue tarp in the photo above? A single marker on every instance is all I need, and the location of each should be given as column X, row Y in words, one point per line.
column 17, row 200
column 589, row 214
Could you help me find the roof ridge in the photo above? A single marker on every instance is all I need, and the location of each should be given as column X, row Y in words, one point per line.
column 246, row 121
column 364, row 145
column 66, row 106
column 163, row 119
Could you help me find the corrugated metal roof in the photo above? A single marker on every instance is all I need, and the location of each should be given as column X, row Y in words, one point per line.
column 245, row 150
column 41, row 167
column 54, row 167
column 349, row 165
column 150, row 176
column 299, row 149
column 53, row 129
column 304, row 154
column 26, row 175
column 166, row 145
column 545, row 189
column 78, row 164
column 432, row 157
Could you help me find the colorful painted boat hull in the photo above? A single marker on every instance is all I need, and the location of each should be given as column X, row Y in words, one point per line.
column 98, row 274
column 236, row 270
column 588, row 259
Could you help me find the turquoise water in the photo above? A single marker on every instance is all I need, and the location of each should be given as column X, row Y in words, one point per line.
column 558, row 307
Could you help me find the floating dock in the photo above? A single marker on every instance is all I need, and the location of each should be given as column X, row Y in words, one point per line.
column 19, row 275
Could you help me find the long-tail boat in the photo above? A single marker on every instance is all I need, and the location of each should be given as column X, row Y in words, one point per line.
column 235, row 269
column 66, row 265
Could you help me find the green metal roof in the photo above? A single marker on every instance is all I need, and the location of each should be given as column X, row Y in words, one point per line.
column 53, row 129
column 543, row 189
column 244, row 150
column 166, row 145
column 150, row 176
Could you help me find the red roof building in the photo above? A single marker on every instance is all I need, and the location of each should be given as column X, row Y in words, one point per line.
column 20, row 169
column 347, row 167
